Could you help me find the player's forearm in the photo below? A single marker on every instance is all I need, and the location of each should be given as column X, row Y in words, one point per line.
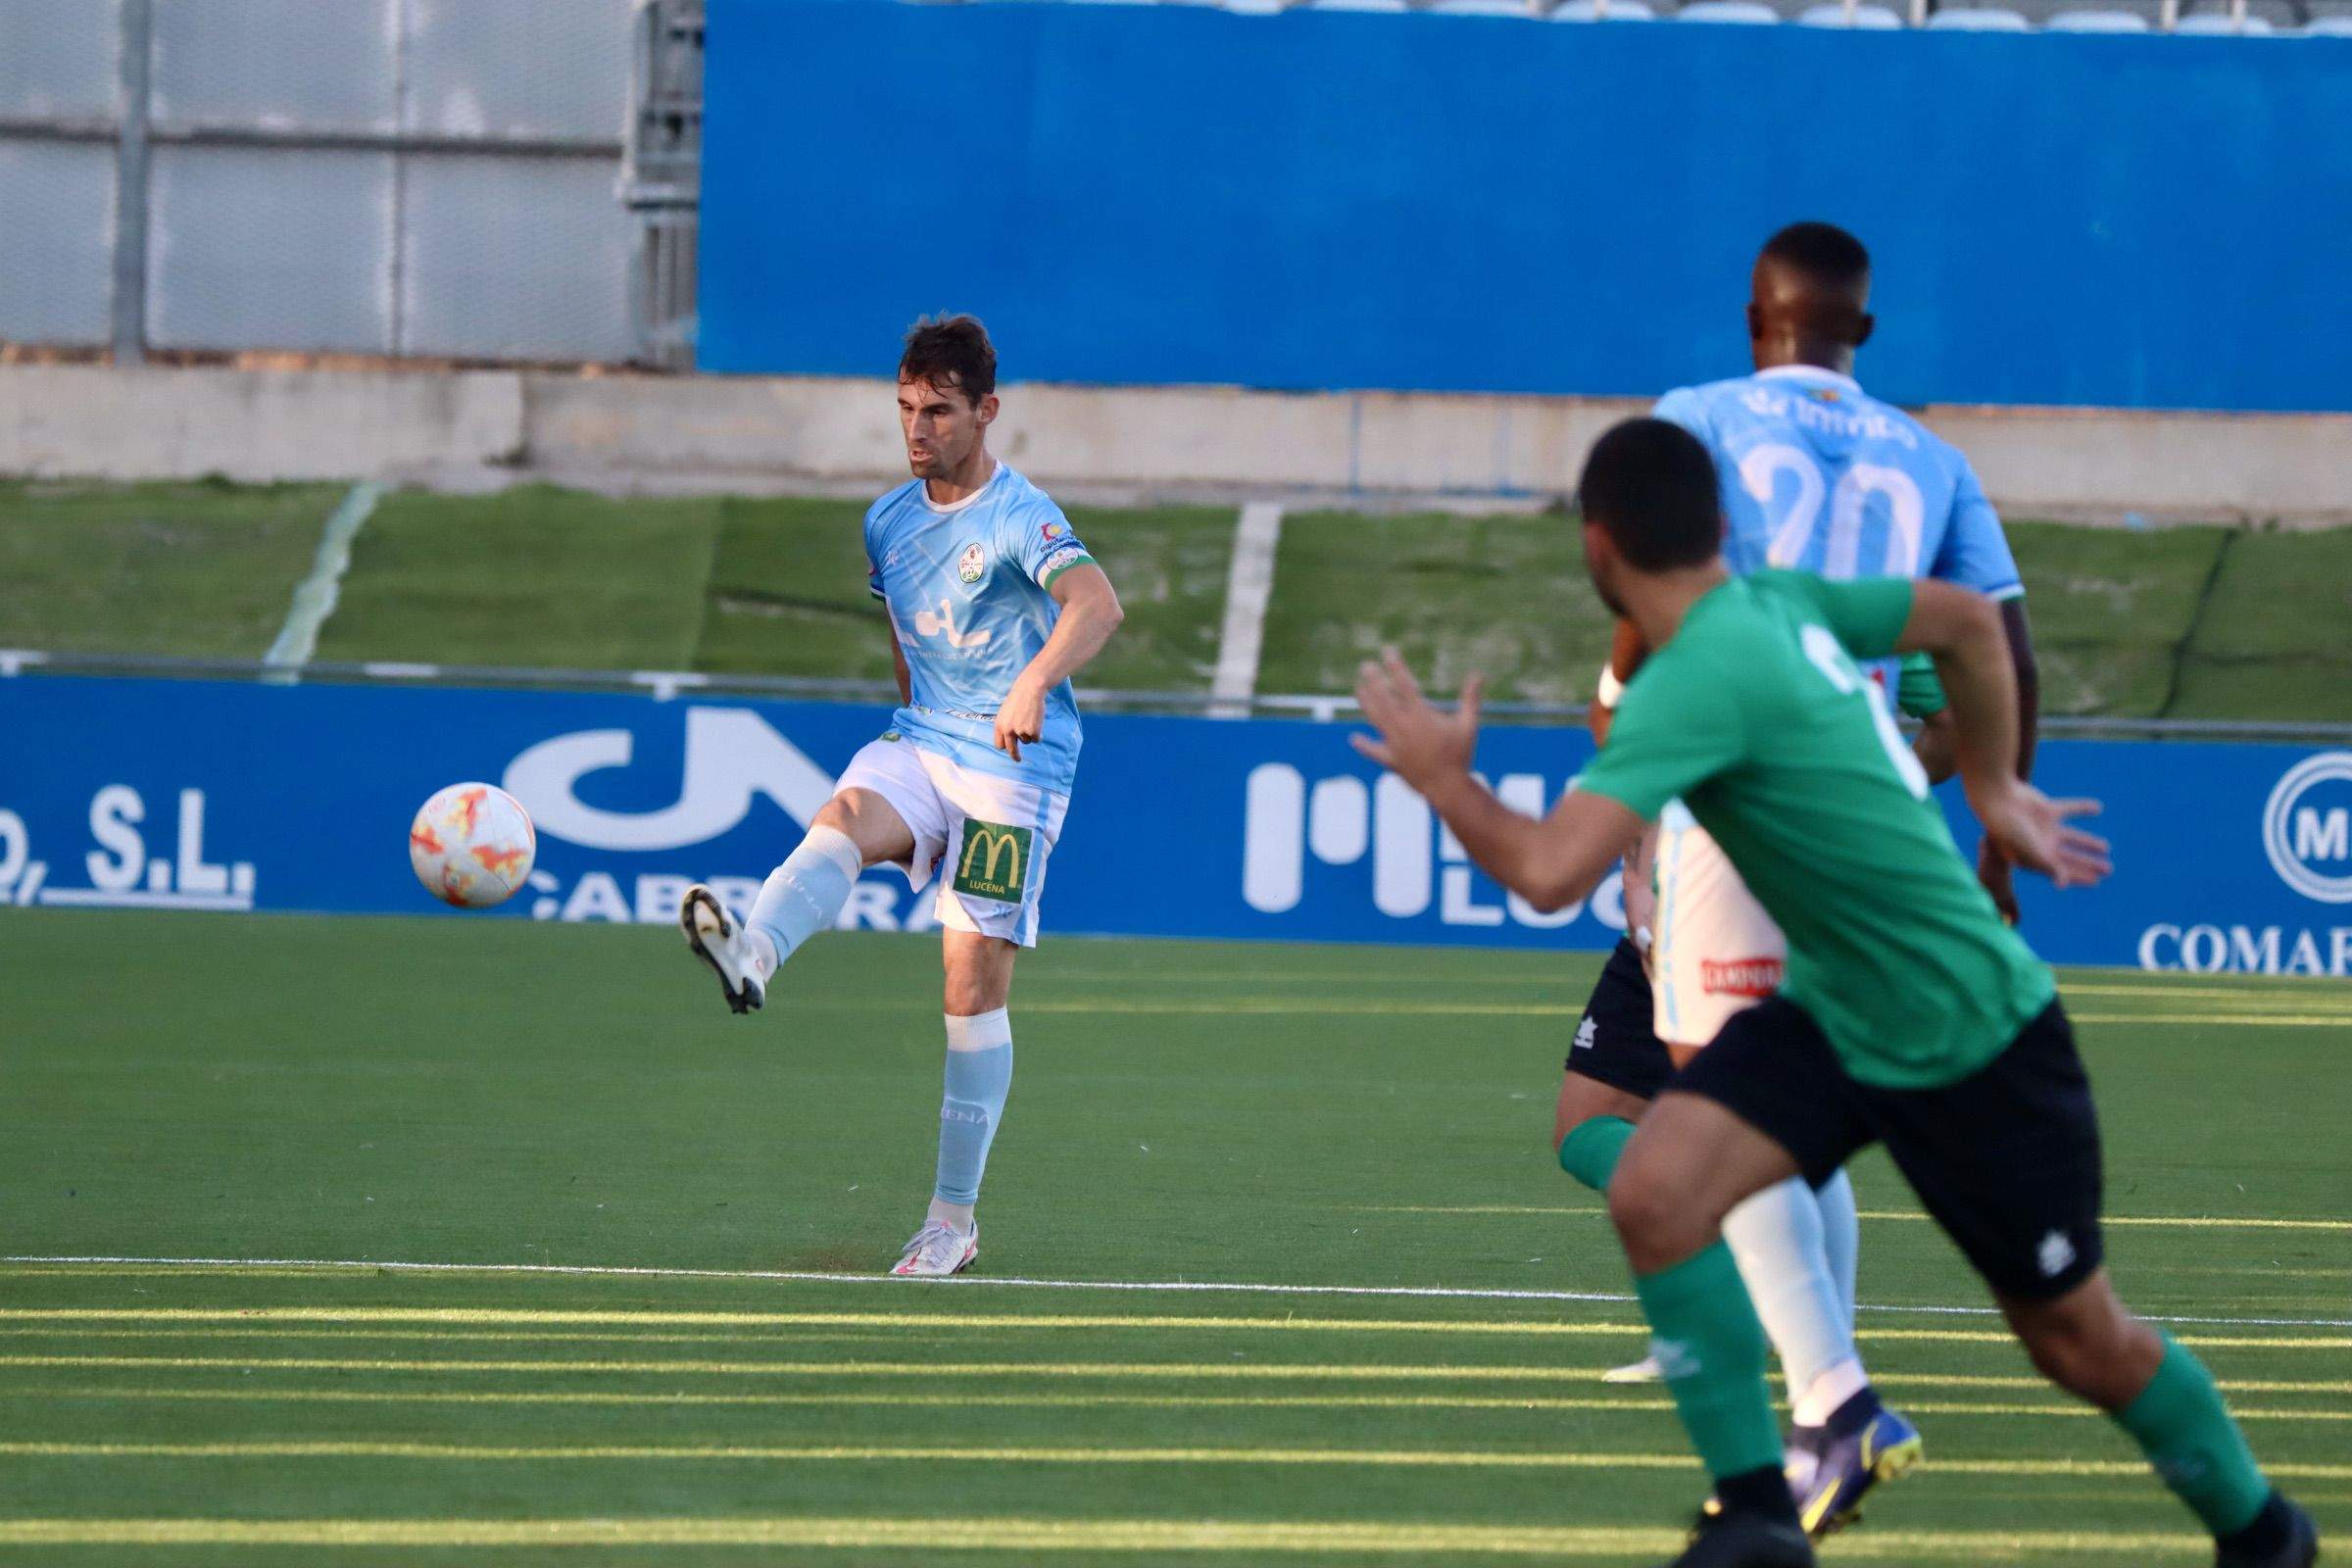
column 1549, row 864
column 2027, row 670
column 1083, row 630
column 1963, row 632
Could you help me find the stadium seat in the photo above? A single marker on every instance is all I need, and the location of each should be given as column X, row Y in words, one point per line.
column 2097, row 22
column 1358, row 5
column 1744, row 13
column 2218, row 23
column 1591, row 11
column 1483, row 8
column 1976, row 18
column 2317, row 28
column 1868, row 18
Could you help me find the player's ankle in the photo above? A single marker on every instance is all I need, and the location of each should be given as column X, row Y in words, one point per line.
column 957, row 1217
column 1762, row 1493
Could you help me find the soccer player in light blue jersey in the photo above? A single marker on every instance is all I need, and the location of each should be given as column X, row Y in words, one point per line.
column 1816, row 475
column 994, row 605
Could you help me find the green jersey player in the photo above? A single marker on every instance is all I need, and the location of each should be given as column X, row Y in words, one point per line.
column 1910, row 1016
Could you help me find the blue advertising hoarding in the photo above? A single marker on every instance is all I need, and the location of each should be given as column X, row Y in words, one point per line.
column 205, row 795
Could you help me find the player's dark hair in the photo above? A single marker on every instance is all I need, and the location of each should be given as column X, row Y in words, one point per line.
column 1650, row 485
column 1833, row 259
column 950, row 351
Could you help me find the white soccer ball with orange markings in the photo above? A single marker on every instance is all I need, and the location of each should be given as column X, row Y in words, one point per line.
column 472, row 845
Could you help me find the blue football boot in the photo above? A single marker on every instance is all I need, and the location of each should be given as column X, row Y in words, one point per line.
column 1862, row 1444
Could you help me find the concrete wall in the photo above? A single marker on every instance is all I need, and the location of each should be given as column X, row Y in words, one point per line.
column 470, row 427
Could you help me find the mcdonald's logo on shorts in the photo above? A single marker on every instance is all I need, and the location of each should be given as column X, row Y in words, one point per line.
column 994, row 861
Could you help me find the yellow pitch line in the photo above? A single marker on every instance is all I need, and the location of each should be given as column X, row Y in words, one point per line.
column 2287, row 993
column 1031, row 1401
column 1211, row 1371
column 1403, row 1458
column 1909, row 1216
column 1592, row 1374
column 2260, row 1020
column 998, row 1535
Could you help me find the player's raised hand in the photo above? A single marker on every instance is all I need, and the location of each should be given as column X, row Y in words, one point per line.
column 1417, row 742
column 2037, row 833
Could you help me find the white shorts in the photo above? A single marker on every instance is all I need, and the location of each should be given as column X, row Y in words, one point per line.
column 987, row 837
column 1713, row 951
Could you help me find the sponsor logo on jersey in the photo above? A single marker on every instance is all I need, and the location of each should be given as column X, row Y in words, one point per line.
column 1740, row 977
column 971, row 563
column 2307, row 827
column 994, row 861
column 943, row 624
column 1054, row 530
column 1586, row 1036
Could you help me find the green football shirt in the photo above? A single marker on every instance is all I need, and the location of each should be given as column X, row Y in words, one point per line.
column 1755, row 715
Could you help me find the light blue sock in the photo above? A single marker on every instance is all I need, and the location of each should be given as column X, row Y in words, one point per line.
column 804, row 894
column 1841, row 1234
column 979, row 1076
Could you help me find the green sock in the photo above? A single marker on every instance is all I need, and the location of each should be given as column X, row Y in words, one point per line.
column 1706, row 1338
column 1589, row 1151
column 2181, row 1426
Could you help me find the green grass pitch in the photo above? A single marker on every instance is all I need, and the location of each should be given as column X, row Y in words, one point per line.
column 498, row 1093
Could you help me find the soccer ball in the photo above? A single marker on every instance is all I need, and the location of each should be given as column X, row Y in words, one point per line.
column 472, row 845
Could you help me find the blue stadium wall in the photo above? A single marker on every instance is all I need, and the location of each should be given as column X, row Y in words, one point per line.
column 1316, row 200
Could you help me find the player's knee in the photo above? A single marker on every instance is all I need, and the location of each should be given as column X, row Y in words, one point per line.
column 2090, row 1345
column 1653, row 1214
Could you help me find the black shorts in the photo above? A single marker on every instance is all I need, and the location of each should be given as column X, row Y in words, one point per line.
column 2006, row 1160
column 1615, row 1043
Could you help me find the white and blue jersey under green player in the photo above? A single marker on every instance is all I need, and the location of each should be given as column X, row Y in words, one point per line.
column 993, row 605
column 1815, row 476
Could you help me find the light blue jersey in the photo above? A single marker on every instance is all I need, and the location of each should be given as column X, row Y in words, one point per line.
column 1820, row 476
column 965, row 586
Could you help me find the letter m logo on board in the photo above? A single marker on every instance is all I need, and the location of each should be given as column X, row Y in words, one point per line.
column 993, row 861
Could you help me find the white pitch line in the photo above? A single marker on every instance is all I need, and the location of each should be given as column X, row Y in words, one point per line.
column 1248, row 586
column 1014, row 1282
column 316, row 595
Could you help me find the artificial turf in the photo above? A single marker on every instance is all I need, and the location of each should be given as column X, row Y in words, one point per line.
column 485, row 1092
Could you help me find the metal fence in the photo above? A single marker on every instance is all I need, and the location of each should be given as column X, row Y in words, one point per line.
column 438, row 178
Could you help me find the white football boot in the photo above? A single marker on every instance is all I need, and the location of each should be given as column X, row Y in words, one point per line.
column 741, row 961
column 1644, row 1370
column 937, row 1251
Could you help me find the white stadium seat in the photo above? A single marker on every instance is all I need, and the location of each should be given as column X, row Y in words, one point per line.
column 1591, row 11
column 1358, row 5
column 2096, row 22
column 1482, row 8
column 1978, row 19
column 2322, row 27
column 1868, row 18
column 2216, row 24
column 1746, row 13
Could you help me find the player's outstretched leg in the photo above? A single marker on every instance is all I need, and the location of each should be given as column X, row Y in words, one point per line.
column 1687, row 1166
column 978, row 1080
column 2090, row 1345
column 802, row 896
column 1844, row 1441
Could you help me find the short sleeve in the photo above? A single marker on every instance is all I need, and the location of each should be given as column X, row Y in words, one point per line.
column 1976, row 552
column 1043, row 541
column 1684, row 407
column 1918, row 690
column 1671, row 734
column 873, row 557
column 1866, row 615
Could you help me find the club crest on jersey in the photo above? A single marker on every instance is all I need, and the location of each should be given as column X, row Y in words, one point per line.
column 971, row 563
